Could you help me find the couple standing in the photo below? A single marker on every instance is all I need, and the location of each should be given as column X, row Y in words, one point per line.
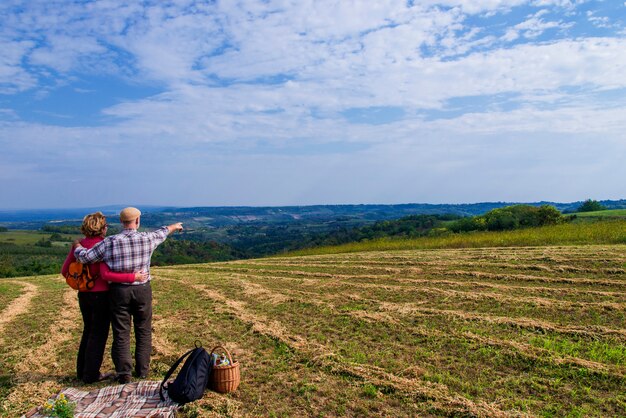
column 122, row 292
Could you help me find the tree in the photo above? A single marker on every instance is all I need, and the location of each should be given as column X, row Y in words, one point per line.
column 590, row 206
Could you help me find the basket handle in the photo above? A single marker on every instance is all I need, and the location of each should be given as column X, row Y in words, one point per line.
column 227, row 352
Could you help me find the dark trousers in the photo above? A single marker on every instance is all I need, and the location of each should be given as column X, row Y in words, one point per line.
column 94, row 307
column 134, row 302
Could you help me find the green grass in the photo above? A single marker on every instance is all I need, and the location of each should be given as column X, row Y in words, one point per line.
column 613, row 213
column 8, row 291
column 21, row 256
column 19, row 237
column 443, row 332
column 28, row 237
column 601, row 351
column 606, row 232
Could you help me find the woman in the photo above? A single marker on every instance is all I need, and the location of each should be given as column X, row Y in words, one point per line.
column 94, row 303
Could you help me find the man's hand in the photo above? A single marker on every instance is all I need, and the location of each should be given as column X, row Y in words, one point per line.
column 141, row 276
column 76, row 244
column 175, row 227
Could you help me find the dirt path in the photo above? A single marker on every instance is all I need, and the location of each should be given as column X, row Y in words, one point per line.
column 59, row 332
column 37, row 374
column 18, row 306
column 161, row 346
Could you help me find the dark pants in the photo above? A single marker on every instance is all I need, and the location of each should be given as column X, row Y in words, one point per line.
column 94, row 307
column 134, row 302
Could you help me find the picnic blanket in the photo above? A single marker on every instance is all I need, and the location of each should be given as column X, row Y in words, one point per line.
column 140, row 399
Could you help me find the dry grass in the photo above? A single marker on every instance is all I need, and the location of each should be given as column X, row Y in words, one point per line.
column 533, row 331
column 17, row 306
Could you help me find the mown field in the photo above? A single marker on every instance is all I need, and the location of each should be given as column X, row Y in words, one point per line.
column 520, row 331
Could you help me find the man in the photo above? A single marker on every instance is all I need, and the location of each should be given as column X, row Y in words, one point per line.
column 129, row 251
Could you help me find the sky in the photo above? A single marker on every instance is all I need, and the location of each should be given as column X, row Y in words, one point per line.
column 270, row 103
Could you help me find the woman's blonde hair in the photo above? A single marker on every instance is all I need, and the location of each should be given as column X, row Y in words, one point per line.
column 94, row 225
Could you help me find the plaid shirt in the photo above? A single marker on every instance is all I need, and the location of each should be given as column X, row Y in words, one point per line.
column 127, row 252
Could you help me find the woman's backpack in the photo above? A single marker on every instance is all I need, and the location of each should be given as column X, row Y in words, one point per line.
column 193, row 378
column 79, row 277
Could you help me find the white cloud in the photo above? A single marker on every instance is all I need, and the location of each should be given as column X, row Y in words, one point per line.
column 64, row 53
column 8, row 114
column 566, row 4
column 535, row 26
column 600, row 21
column 13, row 77
column 243, row 82
column 475, row 6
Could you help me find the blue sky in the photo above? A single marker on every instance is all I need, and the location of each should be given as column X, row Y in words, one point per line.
column 188, row 103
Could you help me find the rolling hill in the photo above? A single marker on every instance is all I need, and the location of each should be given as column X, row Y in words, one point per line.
column 511, row 331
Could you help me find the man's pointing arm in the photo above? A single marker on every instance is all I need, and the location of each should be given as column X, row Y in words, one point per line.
column 178, row 226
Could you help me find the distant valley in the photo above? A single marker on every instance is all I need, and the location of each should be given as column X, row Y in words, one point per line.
column 218, row 216
column 37, row 241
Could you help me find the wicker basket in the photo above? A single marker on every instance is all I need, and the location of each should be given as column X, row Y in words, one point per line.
column 225, row 379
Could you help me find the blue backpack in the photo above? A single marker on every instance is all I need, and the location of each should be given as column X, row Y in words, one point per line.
column 193, row 378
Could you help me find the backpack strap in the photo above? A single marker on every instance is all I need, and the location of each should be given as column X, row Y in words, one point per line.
column 170, row 371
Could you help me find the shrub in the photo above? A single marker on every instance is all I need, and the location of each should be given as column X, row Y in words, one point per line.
column 44, row 243
column 474, row 223
column 501, row 219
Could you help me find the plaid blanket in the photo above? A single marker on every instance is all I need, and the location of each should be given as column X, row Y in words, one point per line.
column 140, row 399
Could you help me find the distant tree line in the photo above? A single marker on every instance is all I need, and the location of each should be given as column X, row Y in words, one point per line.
column 258, row 239
column 412, row 226
column 500, row 219
column 510, row 217
column 174, row 251
column 590, row 205
column 27, row 260
column 62, row 229
column 75, row 229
